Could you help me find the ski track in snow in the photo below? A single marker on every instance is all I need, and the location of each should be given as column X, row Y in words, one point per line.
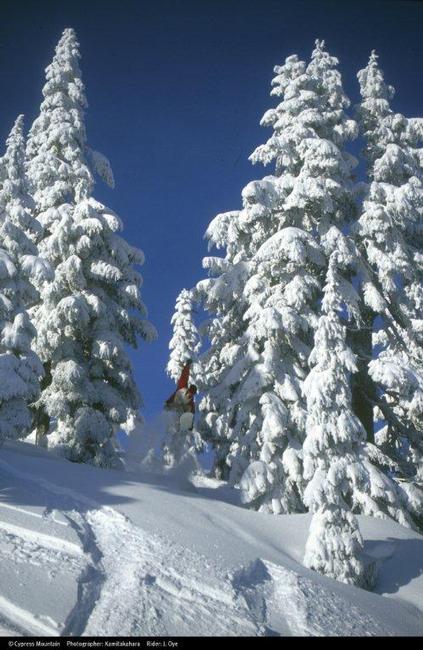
column 128, row 580
column 129, row 584
column 135, row 584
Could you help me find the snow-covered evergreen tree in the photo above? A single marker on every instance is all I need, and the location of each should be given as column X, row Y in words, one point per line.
column 390, row 234
column 92, row 308
column 222, row 297
column 185, row 342
column 314, row 185
column 20, row 271
column 286, row 216
column 333, row 445
column 179, row 445
column 265, row 296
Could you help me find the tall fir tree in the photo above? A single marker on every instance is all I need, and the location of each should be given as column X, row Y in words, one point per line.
column 316, row 200
column 21, row 272
column 389, row 234
column 287, row 216
column 93, row 307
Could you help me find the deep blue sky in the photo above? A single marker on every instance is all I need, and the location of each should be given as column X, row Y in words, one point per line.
column 176, row 91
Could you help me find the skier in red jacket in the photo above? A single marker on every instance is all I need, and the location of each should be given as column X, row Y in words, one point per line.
column 182, row 400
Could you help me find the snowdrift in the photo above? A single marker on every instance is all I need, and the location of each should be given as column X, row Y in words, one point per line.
column 94, row 552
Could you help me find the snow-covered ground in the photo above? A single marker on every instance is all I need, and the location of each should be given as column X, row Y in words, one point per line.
column 93, row 552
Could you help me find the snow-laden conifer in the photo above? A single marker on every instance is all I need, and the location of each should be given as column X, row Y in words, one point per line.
column 389, row 233
column 314, row 187
column 93, row 307
column 20, row 272
column 185, row 342
column 179, row 445
column 332, row 448
column 314, row 190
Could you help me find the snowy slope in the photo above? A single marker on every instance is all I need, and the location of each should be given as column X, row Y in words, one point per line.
column 88, row 551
